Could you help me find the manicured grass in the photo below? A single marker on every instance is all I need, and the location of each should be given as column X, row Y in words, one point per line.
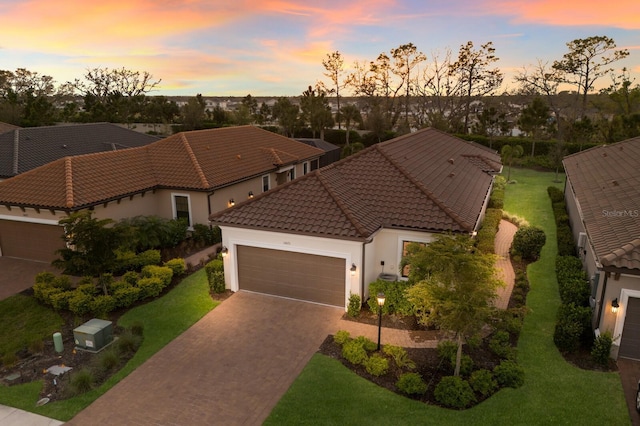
column 554, row 392
column 24, row 321
column 164, row 319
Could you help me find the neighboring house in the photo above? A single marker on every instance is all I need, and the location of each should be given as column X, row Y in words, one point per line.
column 332, row 152
column 6, row 127
column 23, row 149
column 187, row 175
column 603, row 202
column 329, row 234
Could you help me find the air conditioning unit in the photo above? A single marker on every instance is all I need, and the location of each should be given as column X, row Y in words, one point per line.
column 93, row 335
column 582, row 240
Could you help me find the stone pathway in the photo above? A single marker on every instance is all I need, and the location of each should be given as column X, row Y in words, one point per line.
column 504, row 237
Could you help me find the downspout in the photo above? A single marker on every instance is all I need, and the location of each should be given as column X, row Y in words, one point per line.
column 363, row 270
column 209, row 207
column 604, row 290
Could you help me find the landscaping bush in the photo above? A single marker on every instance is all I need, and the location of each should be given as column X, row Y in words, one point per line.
column 447, row 349
column 573, row 284
column 454, row 392
column 80, row 303
column 366, row 343
column 411, row 384
column 137, row 328
column 399, row 356
column 126, row 260
column 341, row 337
column 128, row 343
column 106, row 361
column 501, row 346
column 203, row 234
column 466, row 364
column 395, row 299
column 355, row 304
column 89, row 289
column 45, row 278
column 178, row 266
column 573, row 327
column 165, row 274
column 528, row 242
column 9, row 360
column 354, row 352
column 149, row 257
column 496, row 201
column 601, row 351
column 485, row 239
column 127, row 295
column 150, row 287
column 556, row 194
column 81, row 382
column 376, row 365
column 131, row 277
column 59, row 300
column 103, row 304
column 215, row 275
column 482, row 382
column 509, row 374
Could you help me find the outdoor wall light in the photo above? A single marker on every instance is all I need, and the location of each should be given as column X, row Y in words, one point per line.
column 353, row 269
column 615, row 306
column 224, row 251
column 250, row 194
column 231, row 202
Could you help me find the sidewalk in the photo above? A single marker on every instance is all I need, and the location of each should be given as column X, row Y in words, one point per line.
column 10, row 416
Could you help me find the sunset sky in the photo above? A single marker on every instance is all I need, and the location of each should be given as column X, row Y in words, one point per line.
column 276, row 47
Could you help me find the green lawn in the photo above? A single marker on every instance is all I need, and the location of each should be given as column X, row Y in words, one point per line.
column 164, row 319
column 554, row 391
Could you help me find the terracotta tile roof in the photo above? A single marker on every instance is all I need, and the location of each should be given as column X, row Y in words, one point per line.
column 23, row 149
column 6, row 127
column 606, row 183
column 426, row 180
column 200, row 160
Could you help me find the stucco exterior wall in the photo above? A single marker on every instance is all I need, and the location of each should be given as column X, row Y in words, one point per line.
column 625, row 287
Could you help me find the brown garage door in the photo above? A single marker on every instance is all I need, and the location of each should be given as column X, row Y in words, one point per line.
column 32, row 241
column 319, row 279
column 630, row 340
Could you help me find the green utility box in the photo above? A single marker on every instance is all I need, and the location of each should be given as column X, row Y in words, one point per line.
column 93, row 335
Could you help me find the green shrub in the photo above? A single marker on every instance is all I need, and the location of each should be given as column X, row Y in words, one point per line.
column 501, row 346
column 80, row 302
column 45, row 278
column 131, row 277
column 482, row 382
column 601, row 350
column 395, row 300
column 60, row 300
column 411, row 384
column 127, row 295
column 485, row 239
column 466, row 364
column 62, row 282
column 573, row 327
column 127, row 343
column 9, row 359
column 150, row 287
column 454, row 392
column 126, row 260
column 88, row 288
column 215, row 275
column 43, row 292
column 178, row 266
column 509, row 374
column 102, row 305
column 496, row 201
column 148, row 257
column 355, row 304
column 376, row 365
column 81, row 382
column 556, row 194
column 137, row 328
column 399, row 356
column 499, row 183
column 107, row 360
column 366, row 343
column 354, row 352
column 165, row 274
column 204, row 235
column 528, row 242
column 447, row 349
column 341, row 337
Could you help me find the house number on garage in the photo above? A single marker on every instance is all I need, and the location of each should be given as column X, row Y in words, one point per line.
column 287, row 243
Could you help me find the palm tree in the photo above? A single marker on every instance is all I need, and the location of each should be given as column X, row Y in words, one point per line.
column 508, row 154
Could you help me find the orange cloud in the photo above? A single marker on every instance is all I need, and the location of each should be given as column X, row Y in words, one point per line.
column 618, row 14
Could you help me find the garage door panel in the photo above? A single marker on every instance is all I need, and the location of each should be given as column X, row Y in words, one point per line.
column 630, row 339
column 301, row 276
column 32, row 241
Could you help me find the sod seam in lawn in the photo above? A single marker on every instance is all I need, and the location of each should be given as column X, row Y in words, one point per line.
column 554, row 392
column 164, row 319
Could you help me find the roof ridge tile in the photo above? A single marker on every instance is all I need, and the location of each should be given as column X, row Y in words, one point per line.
column 347, row 212
column 68, row 181
column 194, row 160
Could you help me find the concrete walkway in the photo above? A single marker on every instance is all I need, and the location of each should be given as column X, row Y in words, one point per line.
column 10, row 416
column 504, row 238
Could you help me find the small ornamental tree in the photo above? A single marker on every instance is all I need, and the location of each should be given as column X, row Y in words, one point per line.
column 456, row 289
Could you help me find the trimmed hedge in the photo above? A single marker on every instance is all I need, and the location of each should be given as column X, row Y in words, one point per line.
column 395, row 299
column 454, row 392
column 485, row 240
column 573, row 327
column 215, row 275
column 528, row 242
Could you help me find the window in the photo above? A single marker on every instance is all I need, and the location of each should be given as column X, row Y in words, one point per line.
column 314, row 164
column 265, row 183
column 182, row 207
column 405, row 270
column 305, row 167
column 292, row 174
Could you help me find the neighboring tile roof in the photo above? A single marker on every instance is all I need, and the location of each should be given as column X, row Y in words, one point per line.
column 606, row 183
column 319, row 143
column 427, row 181
column 199, row 160
column 6, row 127
column 23, row 149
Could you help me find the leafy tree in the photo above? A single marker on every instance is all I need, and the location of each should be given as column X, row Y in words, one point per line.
column 316, row 110
column 534, row 120
column 472, row 70
column 406, row 57
column 588, row 59
column 91, row 245
column 455, row 286
column 508, row 153
column 193, row 113
column 334, row 66
column 350, row 113
column 287, row 115
column 26, row 98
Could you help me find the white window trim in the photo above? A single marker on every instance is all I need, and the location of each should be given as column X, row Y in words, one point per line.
column 268, row 182
column 174, row 210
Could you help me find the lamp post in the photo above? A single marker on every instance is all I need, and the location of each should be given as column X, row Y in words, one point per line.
column 380, row 298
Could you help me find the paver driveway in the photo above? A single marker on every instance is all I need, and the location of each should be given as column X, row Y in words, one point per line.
column 17, row 275
column 230, row 368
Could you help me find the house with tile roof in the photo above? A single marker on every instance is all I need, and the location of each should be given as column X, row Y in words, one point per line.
column 187, row 175
column 330, row 233
column 23, row 149
column 602, row 193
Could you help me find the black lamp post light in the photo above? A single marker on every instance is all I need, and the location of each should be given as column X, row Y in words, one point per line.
column 380, row 298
